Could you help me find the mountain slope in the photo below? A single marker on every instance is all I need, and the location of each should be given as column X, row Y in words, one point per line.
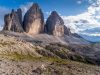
column 23, row 54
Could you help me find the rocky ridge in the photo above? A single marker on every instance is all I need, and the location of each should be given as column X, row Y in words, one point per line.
column 33, row 22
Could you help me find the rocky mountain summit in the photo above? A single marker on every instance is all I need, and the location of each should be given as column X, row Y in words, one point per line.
column 33, row 22
column 55, row 24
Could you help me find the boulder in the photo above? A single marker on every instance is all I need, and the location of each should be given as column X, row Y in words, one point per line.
column 34, row 20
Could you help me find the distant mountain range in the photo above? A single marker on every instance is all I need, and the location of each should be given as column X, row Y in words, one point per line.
column 91, row 38
column 84, row 28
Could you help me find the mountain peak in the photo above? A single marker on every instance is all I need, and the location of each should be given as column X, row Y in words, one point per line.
column 35, row 5
column 55, row 24
column 33, row 22
column 54, row 13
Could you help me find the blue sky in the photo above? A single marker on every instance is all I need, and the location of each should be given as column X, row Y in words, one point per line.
column 65, row 7
column 82, row 16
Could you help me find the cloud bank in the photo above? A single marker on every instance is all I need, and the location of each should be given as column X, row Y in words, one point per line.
column 89, row 20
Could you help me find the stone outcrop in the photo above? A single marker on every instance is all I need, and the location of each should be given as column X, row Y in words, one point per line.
column 54, row 25
column 19, row 12
column 34, row 20
column 13, row 21
column 67, row 31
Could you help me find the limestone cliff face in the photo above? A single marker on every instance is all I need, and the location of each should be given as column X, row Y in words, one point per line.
column 34, row 20
column 55, row 24
column 13, row 21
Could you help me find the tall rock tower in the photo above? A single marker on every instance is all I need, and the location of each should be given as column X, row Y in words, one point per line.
column 54, row 25
column 13, row 21
column 34, row 20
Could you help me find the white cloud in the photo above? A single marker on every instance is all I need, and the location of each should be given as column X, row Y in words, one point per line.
column 79, row 2
column 94, row 34
column 48, row 13
column 87, row 20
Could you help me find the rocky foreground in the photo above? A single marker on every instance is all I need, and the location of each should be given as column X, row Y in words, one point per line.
column 28, row 56
column 46, row 67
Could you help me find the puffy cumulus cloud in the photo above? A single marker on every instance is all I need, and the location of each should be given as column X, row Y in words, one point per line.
column 86, row 20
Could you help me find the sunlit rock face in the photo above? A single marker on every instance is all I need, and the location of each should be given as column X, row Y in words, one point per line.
column 34, row 20
column 54, row 25
column 13, row 21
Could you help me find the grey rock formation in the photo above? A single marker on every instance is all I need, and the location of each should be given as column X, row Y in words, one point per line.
column 13, row 21
column 67, row 31
column 34, row 20
column 55, row 25
column 19, row 12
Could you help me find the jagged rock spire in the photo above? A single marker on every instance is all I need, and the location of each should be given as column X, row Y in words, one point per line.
column 19, row 12
column 34, row 20
column 12, row 22
column 55, row 24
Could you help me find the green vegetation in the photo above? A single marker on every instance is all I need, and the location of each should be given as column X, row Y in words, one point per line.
column 63, row 52
column 20, row 57
column 6, row 43
column 17, row 57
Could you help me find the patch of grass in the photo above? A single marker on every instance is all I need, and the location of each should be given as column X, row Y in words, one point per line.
column 56, row 61
column 6, row 43
column 20, row 57
column 17, row 57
